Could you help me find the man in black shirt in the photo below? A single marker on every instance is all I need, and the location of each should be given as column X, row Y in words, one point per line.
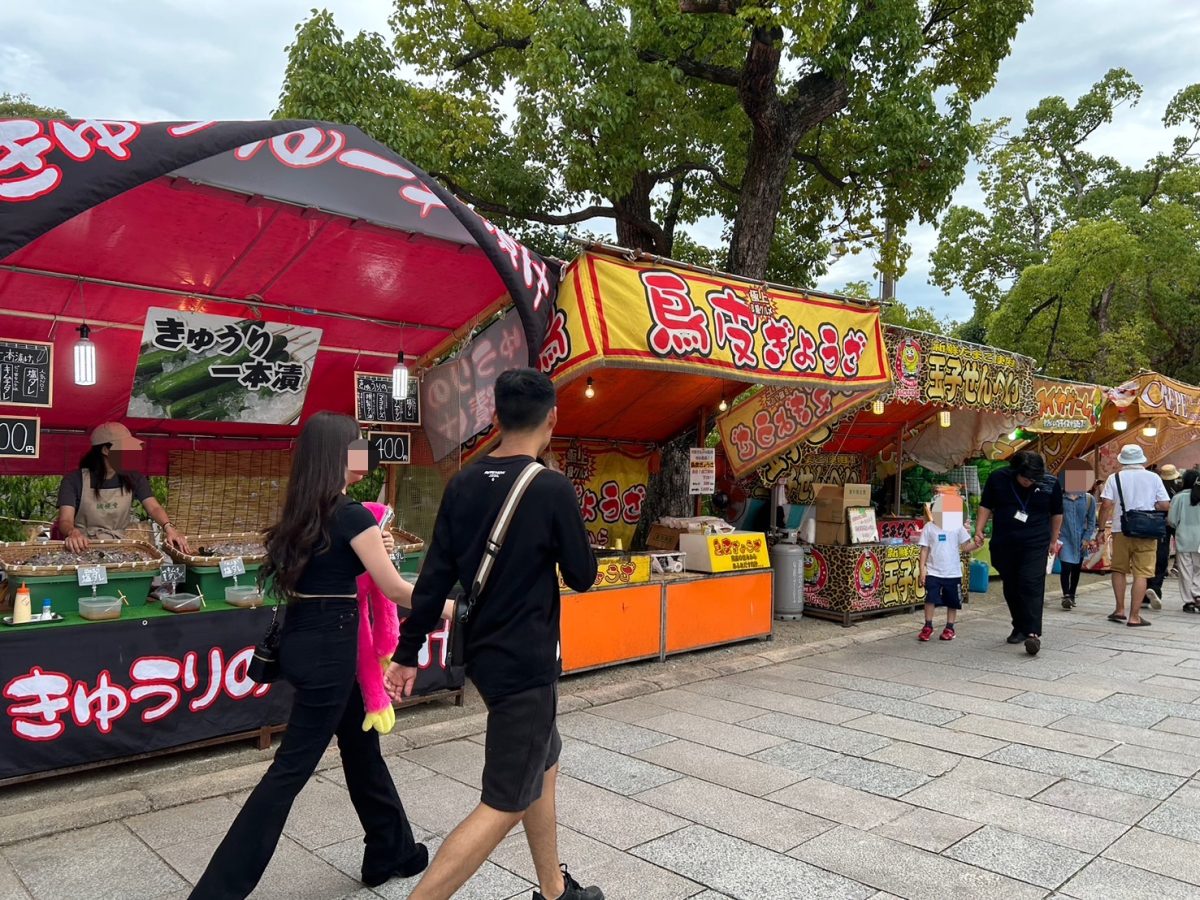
column 1025, row 506
column 512, row 646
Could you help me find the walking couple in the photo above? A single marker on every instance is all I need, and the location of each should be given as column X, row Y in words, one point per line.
column 321, row 544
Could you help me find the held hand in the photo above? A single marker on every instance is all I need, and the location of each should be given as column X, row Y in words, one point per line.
column 77, row 541
column 389, row 543
column 177, row 539
column 400, row 681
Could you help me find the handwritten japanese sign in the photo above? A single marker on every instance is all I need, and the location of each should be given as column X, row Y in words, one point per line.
column 374, row 404
column 1066, row 408
column 91, row 576
column 394, row 449
column 218, row 368
column 26, row 373
column 20, row 437
column 703, row 476
column 232, row 567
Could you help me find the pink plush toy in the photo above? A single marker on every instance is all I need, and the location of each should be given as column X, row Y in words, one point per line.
column 378, row 632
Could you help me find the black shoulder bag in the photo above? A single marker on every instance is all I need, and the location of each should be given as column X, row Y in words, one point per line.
column 464, row 602
column 264, row 664
column 1141, row 523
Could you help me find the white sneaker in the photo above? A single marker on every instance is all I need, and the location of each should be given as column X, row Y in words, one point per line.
column 1153, row 599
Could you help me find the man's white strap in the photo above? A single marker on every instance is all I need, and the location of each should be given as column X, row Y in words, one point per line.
column 500, row 529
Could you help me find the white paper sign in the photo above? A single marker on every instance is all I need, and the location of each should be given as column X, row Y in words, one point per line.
column 863, row 529
column 703, row 479
column 232, row 567
column 90, row 576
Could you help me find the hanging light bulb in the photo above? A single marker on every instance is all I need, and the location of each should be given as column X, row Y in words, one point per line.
column 944, row 418
column 1120, row 425
column 723, row 405
column 85, row 358
column 878, row 407
column 1150, row 431
column 590, row 390
column 400, row 378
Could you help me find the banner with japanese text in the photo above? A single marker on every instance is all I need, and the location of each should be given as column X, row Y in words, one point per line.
column 1066, row 407
column 942, row 372
column 777, row 421
column 802, row 467
column 1168, row 439
column 610, row 482
column 1159, row 397
column 82, row 694
column 221, row 369
column 649, row 315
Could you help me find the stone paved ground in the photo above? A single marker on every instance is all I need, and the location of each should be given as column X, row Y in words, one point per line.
column 884, row 769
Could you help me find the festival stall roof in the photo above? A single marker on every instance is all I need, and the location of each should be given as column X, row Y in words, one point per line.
column 298, row 222
column 665, row 343
column 1066, row 410
column 1171, row 406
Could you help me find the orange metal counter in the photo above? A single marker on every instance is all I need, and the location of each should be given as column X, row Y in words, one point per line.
column 610, row 626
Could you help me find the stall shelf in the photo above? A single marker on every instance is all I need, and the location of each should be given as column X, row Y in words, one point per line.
column 703, row 611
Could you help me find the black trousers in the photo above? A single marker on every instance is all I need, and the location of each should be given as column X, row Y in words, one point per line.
column 318, row 654
column 1070, row 577
column 1022, row 569
column 1162, row 557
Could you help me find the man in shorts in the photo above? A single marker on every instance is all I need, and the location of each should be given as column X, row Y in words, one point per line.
column 512, row 641
column 1135, row 557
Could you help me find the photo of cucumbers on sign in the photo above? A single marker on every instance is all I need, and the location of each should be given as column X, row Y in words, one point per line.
column 221, row 369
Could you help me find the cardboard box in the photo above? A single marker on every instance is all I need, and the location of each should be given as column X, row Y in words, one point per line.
column 663, row 538
column 832, row 500
column 741, row 551
column 829, row 534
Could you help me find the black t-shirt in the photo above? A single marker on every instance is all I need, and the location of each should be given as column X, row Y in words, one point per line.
column 1005, row 497
column 70, row 489
column 335, row 568
column 513, row 638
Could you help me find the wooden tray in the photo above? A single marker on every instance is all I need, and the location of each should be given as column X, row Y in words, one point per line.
column 197, row 541
column 12, row 552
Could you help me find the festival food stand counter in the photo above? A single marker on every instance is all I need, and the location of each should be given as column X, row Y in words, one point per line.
column 947, row 399
column 276, row 269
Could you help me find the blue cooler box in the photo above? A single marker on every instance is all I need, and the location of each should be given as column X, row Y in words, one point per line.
column 979, row 576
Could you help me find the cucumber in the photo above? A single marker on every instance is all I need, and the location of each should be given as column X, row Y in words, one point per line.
column 195, row 378
column 200, row 405
column 152, row 363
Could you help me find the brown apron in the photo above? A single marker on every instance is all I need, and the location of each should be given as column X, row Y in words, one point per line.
column 106, row 517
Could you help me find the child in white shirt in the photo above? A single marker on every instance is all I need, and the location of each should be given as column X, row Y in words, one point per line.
column 941, row 573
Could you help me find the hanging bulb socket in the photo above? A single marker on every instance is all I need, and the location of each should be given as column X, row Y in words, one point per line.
column 400, row 378
column 590, row 390
column 1150, row 431
column 85, row 358
column 723, row 405
column 878, row 407
column 1120, row 425
column 944, row 418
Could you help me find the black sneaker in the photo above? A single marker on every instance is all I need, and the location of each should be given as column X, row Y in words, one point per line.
column 1016, row 637
column 1033, row 644
column 574, row 890
column 414, row 865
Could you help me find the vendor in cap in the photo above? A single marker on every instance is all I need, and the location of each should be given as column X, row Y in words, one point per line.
column 95, row 502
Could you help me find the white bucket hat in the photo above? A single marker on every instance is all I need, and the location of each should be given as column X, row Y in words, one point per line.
column 1132, row 455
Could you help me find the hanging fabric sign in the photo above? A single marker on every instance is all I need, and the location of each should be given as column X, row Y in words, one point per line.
column 222, row 369
column 610, row 482
column 1066, row 408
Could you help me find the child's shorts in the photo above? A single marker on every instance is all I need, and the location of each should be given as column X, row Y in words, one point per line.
column 943, row 591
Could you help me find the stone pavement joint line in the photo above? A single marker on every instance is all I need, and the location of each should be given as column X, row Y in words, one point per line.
column 865, row 767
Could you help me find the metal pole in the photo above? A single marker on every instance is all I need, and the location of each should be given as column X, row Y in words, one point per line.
column 899, row 467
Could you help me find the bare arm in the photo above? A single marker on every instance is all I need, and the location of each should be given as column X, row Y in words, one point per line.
column 1055, row 528
column 981, row 520
column 924, row 561
column 76, row 540
column 370, row 550
column 1163, row 505
column 174, row 536
column 1106, row 511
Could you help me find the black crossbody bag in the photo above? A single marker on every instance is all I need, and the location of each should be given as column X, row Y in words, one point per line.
column 464, row 601
column 264, row 664
column 1141, row 523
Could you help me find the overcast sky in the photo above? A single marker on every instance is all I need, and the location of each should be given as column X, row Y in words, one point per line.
column 221, row 59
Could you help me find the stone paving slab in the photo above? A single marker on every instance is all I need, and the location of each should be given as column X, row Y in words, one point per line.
column 756, row 700
column 1019, row 857
column 746, row 775
column 1091, row 800
column 1168, row 856
column 990, row 776
column 734, row 738
column 1032, row 736
column 917, row 758
column 1128, row 734
column 613, row 771
column 840, row 804
column 708, row 706
column 926, row 829
column 1130, row 779
column 834, row 738
column 952, row 741
column 1103, row 879
column 873, row 777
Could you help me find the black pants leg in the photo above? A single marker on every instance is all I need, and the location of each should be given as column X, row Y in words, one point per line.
column 1002, row 559
column 1070, row 578
column 1162, row 556
column 317, row 655
column 1023, row 572
column 389, row 838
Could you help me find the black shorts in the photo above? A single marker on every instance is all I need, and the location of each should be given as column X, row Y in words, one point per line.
column 943, row 591
column 522, row 744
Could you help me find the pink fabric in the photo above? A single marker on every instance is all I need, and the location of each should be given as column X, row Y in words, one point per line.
column 378, row 632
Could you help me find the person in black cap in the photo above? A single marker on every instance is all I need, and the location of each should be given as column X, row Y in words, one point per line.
column 1025, row 506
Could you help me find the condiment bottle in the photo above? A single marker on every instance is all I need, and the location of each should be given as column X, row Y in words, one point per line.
column 21, row 610
column 47, row 610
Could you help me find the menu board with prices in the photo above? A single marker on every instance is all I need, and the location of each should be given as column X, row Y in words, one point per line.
column 20, row 437
column 374, row 405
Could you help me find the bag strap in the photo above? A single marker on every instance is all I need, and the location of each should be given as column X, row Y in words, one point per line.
column 1120, row 493
column 499, row 530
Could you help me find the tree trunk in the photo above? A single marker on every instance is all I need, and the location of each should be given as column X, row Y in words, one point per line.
column 634, row 213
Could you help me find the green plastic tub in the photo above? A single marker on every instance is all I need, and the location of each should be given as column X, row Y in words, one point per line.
column 64, row 592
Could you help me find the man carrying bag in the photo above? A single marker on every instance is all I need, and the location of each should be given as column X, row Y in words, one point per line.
column 1136, row 502
column 505, row 529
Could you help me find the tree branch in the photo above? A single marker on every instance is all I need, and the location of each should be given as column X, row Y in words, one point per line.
column 480, row 52
column 709, row 7
column 671, row 218
column 821, row 169
column 1039, row 309
column 694, row 68
column 685, row 167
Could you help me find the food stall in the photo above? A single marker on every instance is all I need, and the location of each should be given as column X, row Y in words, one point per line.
column 210, row 284
column 643, row 350
column 947, row 399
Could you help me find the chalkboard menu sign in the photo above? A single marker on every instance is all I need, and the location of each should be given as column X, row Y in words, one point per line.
column 20, row 437
column 26, row 373
column 393, row 448
column 373, row 403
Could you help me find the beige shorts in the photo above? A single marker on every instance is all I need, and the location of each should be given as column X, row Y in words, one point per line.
column 1134, row 556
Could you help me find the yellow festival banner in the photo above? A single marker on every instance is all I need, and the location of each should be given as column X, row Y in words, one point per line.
column 646, row 315
column 1158, row 396
column 610, row 483
column 1066, row 407
column 778, row 422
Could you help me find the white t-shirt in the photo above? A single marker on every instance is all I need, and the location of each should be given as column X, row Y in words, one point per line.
column 944, row 558
column 1142, row 490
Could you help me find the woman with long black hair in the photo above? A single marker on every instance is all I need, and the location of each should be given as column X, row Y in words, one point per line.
column 1184, row 517
column 321, row 544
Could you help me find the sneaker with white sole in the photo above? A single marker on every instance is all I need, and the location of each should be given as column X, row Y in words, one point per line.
column 573, row 890
column 1153, row 598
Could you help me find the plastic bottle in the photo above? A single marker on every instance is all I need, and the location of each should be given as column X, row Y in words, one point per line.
column 21, row 611
column 47, row 610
